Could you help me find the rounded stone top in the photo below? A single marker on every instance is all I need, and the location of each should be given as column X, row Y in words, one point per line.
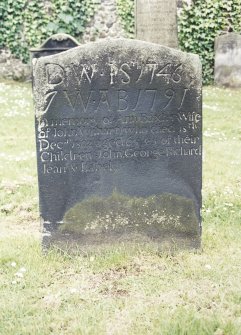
column 59, row 42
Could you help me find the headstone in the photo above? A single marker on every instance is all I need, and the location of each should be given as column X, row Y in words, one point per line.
column 55, row 44
column 156, row 22
column 228, row 60
column 119, row 144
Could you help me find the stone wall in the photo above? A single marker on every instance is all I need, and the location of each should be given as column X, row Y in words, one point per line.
column 105, row 23
column 12, row 68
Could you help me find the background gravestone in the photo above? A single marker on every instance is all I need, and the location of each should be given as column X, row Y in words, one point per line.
column 228, row 60
column 119, row 144
column 156, row 22
column 54, row 44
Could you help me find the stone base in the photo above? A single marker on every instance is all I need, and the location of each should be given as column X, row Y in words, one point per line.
column 94, row 243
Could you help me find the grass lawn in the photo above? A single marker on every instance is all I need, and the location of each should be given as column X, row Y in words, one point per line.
column 125, row 291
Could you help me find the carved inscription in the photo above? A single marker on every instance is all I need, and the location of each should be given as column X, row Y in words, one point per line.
column 118, row 131
column 118, row 100
column 112, row 126
column 124, row 73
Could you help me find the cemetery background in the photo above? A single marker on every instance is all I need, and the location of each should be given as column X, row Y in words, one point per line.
column 132, row 291
column 25, row 24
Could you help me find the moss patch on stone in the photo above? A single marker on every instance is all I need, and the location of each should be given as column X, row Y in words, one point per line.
column 155, row 215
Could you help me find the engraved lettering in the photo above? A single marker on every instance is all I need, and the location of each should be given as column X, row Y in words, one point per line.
column 55, row 74
column 122, row 100
column 153, row 69
column 124, row 68
column 170, row 95
column 164, row 71
column 49, row 98
column 76, row 100
column 85, row 74
column 176, row 77
column 113, row 73
column 183, row 97
column 103, row 100
column 142, row 69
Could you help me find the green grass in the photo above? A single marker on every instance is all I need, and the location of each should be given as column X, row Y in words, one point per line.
column 121, row 290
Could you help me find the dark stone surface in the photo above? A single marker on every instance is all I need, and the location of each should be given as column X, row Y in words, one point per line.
column 54, row 44
column 228, row 60
column 119, row 144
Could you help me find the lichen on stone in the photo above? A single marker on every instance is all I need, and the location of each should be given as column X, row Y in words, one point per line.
column 156, row 214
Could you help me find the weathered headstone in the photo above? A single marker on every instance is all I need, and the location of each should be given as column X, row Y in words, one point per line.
column 228, row 60
column 54, row 44
column 119, row 144
column 156, row 22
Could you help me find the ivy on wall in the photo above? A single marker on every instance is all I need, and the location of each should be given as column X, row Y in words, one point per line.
column 70, row 16
column 198, row 26
column 201, row 23
column 126, row 12
column 25, row 23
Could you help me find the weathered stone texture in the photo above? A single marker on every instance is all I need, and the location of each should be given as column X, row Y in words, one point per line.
column 119, row 144
column 156, row 22
column 105, row 23
column 12, row 68
column 228, row 60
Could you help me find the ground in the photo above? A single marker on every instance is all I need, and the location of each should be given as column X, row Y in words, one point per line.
column 122, row 290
